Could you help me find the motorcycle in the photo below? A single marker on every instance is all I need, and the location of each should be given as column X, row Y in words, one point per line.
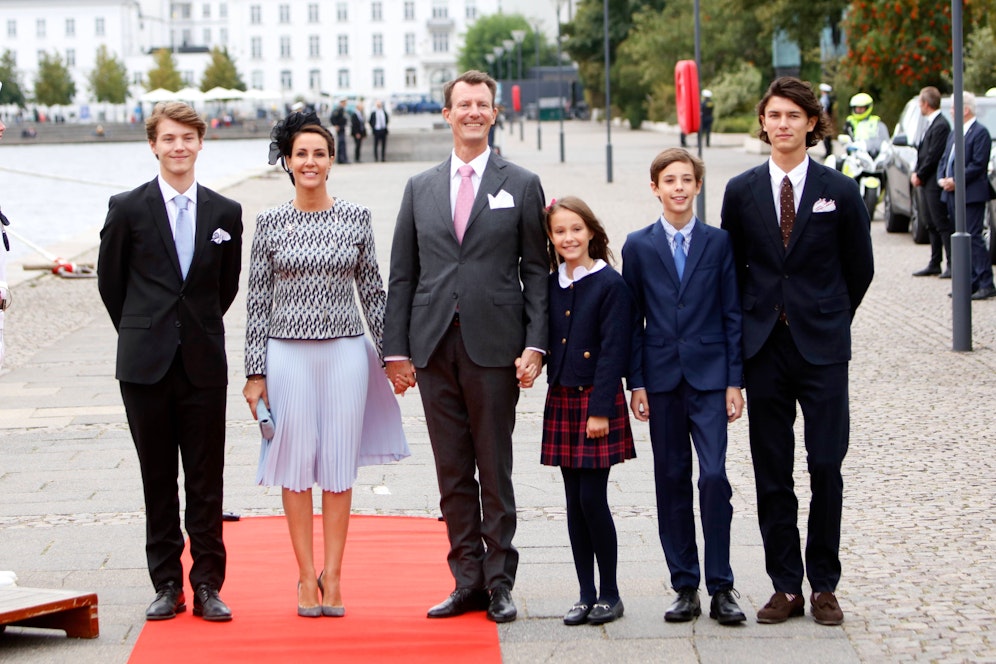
column 858, row 163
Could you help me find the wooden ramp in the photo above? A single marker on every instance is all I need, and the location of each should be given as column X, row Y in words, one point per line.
column 68, row 610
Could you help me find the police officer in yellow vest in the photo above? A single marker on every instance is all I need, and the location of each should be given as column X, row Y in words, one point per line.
column 861, row 125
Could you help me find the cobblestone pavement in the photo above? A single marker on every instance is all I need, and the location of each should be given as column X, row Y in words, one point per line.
column 918, row 539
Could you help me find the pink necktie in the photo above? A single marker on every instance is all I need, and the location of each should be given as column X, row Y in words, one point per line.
column 464, row 201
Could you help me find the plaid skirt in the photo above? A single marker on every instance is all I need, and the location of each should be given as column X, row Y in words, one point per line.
column 564, row 441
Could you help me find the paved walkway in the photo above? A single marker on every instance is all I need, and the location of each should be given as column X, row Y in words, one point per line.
column 918, row 540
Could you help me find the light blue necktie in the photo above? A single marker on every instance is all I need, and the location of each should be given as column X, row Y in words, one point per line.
column 184, row 236
column 679, row 254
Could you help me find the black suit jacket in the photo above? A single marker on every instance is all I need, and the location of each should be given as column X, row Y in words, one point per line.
column 819, row 279
column 928, row 153
column 152, row 307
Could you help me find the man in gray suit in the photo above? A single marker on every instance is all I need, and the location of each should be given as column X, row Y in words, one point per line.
column 466, row 306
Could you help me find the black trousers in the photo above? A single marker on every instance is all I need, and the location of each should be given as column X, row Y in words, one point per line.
column 935, row 217
column 171, row 419
column 776, row 378
column 380, row 143
column 470, row 414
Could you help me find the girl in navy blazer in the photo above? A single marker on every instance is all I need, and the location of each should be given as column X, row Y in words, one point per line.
column 585, row 423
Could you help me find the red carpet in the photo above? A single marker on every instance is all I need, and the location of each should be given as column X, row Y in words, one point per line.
column 395, row 568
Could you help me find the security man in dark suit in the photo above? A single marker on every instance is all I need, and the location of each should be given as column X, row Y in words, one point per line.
column 168, row 269
column 924, row 179
column 803, row 254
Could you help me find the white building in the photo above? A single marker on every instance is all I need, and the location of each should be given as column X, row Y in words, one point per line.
column 313, row 50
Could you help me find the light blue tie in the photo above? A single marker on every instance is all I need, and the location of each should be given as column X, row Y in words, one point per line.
column 679, row 254
column 184, row 236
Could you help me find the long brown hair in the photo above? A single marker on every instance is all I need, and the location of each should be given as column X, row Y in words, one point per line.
column 598, row 246
column 801, row 94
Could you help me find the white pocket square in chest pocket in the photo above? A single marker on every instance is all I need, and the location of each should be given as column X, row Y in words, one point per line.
column 220, row 235
column 501, row 201
column 824, row 205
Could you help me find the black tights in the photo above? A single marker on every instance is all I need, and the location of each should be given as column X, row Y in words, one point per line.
column 592, row 532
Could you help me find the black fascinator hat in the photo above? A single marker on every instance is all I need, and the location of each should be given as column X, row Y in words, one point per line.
column 283, row 133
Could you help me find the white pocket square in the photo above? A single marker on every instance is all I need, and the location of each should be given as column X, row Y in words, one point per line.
column 220, row 235
column 824, row 205
column 501, row 201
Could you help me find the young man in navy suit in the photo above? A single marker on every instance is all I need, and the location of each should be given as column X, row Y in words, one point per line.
column 168, row 269
column 686, row 376
column 804, row 261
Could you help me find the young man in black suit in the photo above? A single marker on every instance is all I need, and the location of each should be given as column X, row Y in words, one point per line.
column 168, row 269
column 803, row 254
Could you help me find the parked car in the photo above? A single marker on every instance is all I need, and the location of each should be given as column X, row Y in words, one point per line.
column 900, row 208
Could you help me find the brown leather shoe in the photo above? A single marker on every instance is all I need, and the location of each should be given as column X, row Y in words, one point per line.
column 780, row 608
column 825, row 609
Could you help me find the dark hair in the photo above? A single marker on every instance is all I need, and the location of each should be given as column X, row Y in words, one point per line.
column 801, row 94
column 671, row 155
column 598, row 246
column 284, row 133
column 472, row 77
column 176, row 111
column 931, row 96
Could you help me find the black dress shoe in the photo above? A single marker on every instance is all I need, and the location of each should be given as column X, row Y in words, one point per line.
column 928, row 271
column 724, row 607
column 169, row 601
column 578, row 615
column 460, row 602
column 946, row 274
column 209, row 606
column 502, row 608
column 984, row 293
column 603, row 612
column 685, row 606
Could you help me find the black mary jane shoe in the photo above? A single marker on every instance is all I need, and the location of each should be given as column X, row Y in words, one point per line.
column 578, row 615
column 603, row 612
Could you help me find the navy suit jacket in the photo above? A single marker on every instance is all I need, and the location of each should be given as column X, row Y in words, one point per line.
column 978, row 144
column 819, row 279
column 688, row 328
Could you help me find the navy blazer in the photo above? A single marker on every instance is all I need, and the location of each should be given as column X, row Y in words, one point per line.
column 590, row 336
column 690, row 328
column 819, row 279
column 978, row 144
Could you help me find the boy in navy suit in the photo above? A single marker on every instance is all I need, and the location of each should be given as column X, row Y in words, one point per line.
column 686, row 378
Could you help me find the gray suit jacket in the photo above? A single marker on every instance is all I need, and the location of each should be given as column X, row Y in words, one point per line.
column 496, row 278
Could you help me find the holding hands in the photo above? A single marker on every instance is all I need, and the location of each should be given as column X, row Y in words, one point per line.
column 527, row 367
column 401, row 374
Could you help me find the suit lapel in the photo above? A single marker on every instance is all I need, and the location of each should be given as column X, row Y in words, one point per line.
column 760, row 186
column 442, row 196
column 205, row 226
column 658, row 238
column 696, row 248
column 491, row 183
column 812, row 189
column 157, row 208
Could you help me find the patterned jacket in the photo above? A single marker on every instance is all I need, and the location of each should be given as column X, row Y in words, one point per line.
column 302, row 269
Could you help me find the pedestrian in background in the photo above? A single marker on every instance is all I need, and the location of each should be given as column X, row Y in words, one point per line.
column 803, row 253
column 929, row 150
column 826, row 103
column 586, row 427
column 706, row 109
column 978, row 192
column 378, row 124
column 340, row 120
column 358, row 127
column 167, row 271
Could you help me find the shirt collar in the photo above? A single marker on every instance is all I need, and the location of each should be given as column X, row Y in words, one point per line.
column 580, row 272
column 169, row 193
column 478, row 163
column 671, row 231
column 796, row 176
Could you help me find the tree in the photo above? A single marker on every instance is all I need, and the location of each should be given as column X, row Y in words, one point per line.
column 221, row 72
column 54, row 84
column 11, row 92
column 109, row 78
column 490, row 31
column 980, row 60
column 164, row 74
column 894, row 49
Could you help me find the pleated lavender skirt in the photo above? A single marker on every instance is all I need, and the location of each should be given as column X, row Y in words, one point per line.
column 333, row 411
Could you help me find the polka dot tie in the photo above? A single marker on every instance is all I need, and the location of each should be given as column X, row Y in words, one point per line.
column 787, row 202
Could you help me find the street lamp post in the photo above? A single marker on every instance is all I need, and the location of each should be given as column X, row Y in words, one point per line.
column 490, row 57
column 539, row 112
column 608, row 94
column 560, row 84
column 509, row 49
column 498, row 52
column 519, row 36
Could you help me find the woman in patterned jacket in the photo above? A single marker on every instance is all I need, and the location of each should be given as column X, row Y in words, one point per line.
column 307, row 358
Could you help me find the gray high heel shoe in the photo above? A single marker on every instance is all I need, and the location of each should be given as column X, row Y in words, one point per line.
column 329, row 611
column 307, row 611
